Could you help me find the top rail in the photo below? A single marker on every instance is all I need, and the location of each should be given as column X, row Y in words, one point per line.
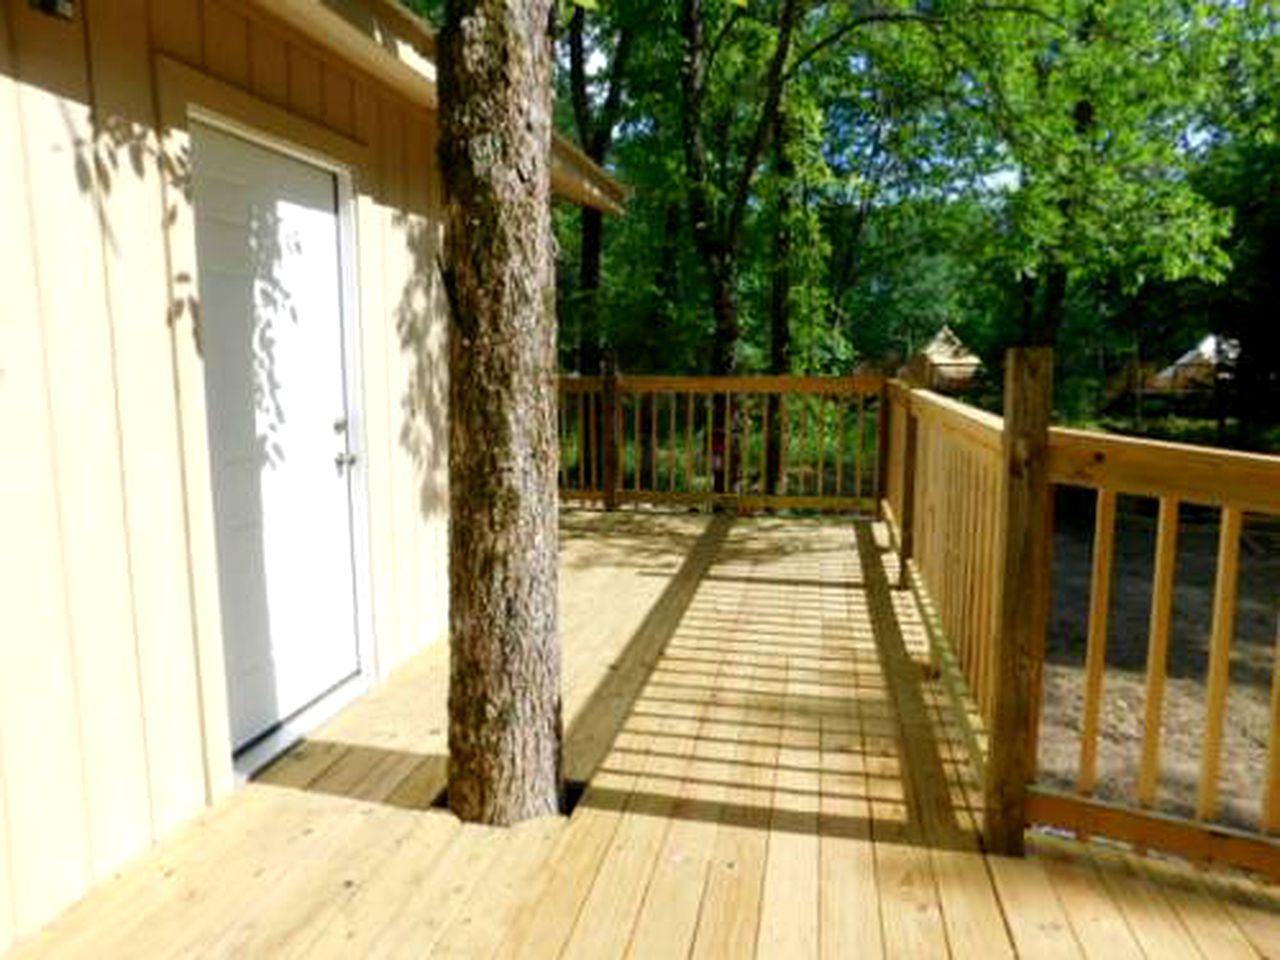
column 1156, row 468
column 857, row 385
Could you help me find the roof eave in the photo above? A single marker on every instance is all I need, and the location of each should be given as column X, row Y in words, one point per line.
column 401, row 52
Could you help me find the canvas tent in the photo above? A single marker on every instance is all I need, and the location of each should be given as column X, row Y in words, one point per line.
column 945, row 363
column 1198, row 368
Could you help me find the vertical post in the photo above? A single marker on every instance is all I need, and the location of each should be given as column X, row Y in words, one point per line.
column 1023, row 567
column 907, row 522
column 609, row 442
column 882, row 447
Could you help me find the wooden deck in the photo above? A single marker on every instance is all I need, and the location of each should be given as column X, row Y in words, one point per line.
column 773, row 773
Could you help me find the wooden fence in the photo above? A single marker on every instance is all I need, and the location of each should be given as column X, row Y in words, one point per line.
column 949, row 471
column 746, row 442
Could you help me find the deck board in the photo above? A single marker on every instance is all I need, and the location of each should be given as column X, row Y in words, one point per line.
column 772, row 773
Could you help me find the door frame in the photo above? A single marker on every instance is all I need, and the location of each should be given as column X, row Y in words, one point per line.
column 186, row 95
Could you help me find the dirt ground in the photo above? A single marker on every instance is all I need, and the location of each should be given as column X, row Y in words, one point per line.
column 1253, row 657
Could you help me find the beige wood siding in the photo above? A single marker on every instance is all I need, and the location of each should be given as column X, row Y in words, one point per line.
column 112, row 701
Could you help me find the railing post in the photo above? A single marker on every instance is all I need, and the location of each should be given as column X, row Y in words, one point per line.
column 1023, row 567
column 907, row 522
column 609, row 440
column 882, row 448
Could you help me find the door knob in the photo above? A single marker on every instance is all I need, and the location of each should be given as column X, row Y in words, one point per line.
column 340, row 425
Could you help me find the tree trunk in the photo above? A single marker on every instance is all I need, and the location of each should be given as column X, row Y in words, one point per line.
column 591, row 337
column 504, row 683
column 724, row 344
column 780, row 300
column 724, row 311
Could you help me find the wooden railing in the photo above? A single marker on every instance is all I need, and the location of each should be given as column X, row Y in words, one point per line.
column 949, row 469
column 1172, row 474
column 748, row 442
column 943, row 503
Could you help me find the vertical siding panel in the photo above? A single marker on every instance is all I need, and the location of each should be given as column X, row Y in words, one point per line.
column 391, row 159
column 268, row 68
column 6, row 889
column 375, row 400
column 31, row 577
column 176, row 29
column 133, row 208
column 338, row 99
column 414, row 327
column 39, row 731
column 73, row 173
column 21, row 409
column 226, row 43
column 304, row 84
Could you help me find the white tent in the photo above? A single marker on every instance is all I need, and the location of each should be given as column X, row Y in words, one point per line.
column 945, row 362
column 1198, row 367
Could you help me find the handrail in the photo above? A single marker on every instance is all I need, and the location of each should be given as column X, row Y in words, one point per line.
column 947, row 468
column 1157, row 468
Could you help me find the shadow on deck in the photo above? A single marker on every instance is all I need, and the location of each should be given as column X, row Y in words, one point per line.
column 810, row 672
column 772, row 771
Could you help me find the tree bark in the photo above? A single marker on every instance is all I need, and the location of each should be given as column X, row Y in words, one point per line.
column 504, row 685
column 591, row 337
column 780, row 296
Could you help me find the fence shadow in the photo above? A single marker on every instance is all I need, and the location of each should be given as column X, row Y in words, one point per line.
column 788, row 701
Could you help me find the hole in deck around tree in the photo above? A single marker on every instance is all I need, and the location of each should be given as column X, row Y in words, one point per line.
column 570, row 794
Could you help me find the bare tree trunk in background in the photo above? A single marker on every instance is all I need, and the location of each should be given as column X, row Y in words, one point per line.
column 595, row 133
column 590, row 335
column 780, row 300
column 718, row 224
column 504, row 682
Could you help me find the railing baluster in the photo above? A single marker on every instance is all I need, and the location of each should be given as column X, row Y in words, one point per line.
column 1271, row 798
column 593, row 414
column 840, row 454
column 582, row 441
column 560, row 416
column 1158, row 647
column 858, row 450
column 653, row 440
column 784, row 442
column 636, row 446
column 727, row 452
column 820, row 403
column 764, row 444
column 804, row 439
column 671, row 445
column 987, row 540
column 1096, row 655
column 710, row 431
column 967, row 545
column 688, row 442
column 1224, row 628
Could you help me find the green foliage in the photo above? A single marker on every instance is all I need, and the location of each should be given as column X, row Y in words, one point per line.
column 1106, row 169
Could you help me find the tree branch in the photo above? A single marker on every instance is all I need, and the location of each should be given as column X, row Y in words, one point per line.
column 774, row 82
column 693, row 82
column 921, row 19
column 578, row 94
column 722, row 36
column 599, row 145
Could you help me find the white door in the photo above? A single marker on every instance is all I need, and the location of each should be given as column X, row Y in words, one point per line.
column 268, row 235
